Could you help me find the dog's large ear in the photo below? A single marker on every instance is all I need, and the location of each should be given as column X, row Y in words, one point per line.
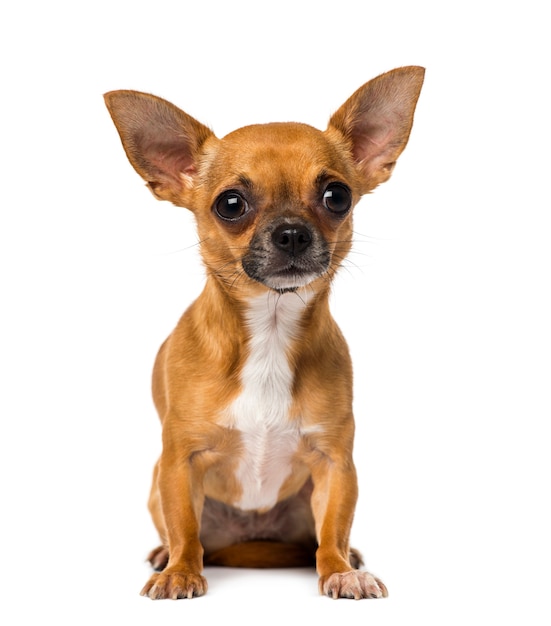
column 161, row 141
column 376, row 121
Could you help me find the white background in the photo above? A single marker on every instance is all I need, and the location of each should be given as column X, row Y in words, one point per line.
column 445, row 302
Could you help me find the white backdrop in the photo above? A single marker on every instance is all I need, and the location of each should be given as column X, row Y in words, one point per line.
column 445, row 301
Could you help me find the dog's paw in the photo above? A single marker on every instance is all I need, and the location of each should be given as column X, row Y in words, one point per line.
column 353, row 584
column 174, row 586
column 356, row 559
column 158, row 558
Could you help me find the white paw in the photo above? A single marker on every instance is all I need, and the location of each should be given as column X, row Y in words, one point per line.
column 354, row 584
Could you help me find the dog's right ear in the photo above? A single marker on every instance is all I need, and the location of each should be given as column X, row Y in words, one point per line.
column 161, row 142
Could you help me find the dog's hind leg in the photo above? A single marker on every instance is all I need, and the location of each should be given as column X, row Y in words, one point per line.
column 158, row 558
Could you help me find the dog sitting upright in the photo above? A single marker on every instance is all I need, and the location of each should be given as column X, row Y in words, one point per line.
column 254, row 385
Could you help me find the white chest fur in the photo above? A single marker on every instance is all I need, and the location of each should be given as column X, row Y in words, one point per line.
column 261, row 410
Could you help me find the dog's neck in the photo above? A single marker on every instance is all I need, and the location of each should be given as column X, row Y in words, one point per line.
column 274, row 322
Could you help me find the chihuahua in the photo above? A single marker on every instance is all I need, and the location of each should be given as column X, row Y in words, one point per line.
column 254, row 385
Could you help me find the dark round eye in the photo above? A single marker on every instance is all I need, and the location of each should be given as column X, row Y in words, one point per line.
column 337, row 198
column 231, row 206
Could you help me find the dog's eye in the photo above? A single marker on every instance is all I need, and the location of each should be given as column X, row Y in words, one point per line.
column 337, row 198
column 231, row 206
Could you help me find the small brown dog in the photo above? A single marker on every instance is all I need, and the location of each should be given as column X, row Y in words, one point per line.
column 254, row 385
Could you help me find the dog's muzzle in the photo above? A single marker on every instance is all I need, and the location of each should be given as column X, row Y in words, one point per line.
column 287, row 256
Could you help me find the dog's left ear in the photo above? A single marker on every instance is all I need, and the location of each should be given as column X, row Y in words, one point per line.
column 376, row 122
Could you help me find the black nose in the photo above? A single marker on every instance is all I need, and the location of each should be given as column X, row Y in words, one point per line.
column 292, row 238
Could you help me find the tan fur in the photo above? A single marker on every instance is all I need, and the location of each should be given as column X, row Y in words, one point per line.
column 283, row 172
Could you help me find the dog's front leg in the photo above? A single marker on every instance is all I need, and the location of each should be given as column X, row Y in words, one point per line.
column 333, row 503
column 180, row 484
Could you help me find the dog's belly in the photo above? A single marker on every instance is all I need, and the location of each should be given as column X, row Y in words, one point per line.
column 290, row 520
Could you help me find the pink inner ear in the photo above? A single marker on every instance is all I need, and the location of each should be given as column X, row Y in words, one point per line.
column 371, row 142
column 164, row 154
column 170, row 160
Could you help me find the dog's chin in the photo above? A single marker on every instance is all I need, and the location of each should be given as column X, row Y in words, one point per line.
column 286, row 281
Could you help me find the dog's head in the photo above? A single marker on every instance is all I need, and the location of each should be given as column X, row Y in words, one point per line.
column 273, row 202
